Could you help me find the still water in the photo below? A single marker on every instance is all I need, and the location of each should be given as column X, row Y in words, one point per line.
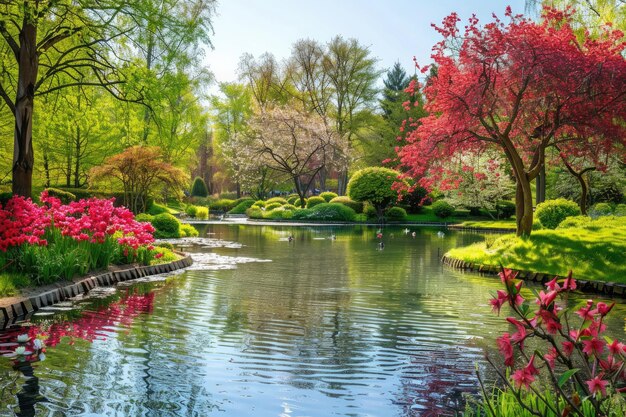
column 326, row 324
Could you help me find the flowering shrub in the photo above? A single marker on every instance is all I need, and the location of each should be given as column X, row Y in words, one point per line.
column 60, row 240
column 584, row 369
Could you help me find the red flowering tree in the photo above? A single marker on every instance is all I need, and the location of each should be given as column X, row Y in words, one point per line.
column 519, row 88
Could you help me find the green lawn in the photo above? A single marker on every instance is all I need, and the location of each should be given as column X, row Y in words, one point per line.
column 595, row 251
column 489, row 224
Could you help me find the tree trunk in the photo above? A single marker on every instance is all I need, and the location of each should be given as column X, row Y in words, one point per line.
column 23, row 157
column 342, row 181
column 46, row 168
column 540, row 186
column 584, row 193
column 77, row 158
column 523, row 206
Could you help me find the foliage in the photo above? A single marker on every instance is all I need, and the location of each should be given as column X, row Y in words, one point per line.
column 259, row 203
column 370, row 211
column 144, row 217
column 155, row 209
column 198, row 188
column 314, row 201
column 272, row 206
column 415, row 198
column 514, row 88
column 552, row 212
column 223, row 205
column 328, row 195
column 374, row 185
column 505, row 209
column 357, row 206
column 242, row 207
column 166, row 225
column 64, row 196
column 254, row 212
column 601, row 209
column 590, row 366
column 443, row 209
column 293, row 198
column 202, row 213
column 138, row 170
column 597, row 249
column 574, row 222
column 327, row 212
column 187, row 230
column 279, row 200
column 620, row 210
column 395, row 214
column 191, row 210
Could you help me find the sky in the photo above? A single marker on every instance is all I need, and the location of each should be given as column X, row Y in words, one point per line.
column 394, row 30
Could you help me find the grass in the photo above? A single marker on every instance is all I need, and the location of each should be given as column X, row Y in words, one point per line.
column 489, row 224
column 594, row 251
column 11, row 282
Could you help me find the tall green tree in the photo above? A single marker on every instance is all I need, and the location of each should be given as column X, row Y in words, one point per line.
column 50, row 45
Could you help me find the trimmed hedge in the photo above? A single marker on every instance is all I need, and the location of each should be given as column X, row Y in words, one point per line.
column 241, row 207
column 601, row 209
column 620, row 210
column 156, row 209
column 442, row 209
column 314, row 201
column 202, row 213
column 574, row 221
column 199, row 188
column 395, row 213
column 357, row 206
column 258, row 203
column 552, row 212
column 223, row 205
column 144, row 217
column 505, row 209
column 326, row 211
column 187, row 230
column 273, row 205
column 191, row 210
column 328, row 196
column 293, row 198
column 166, row 225
column 280, row 200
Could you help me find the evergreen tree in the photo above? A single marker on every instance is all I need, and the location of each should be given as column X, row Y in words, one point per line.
column 395, row 83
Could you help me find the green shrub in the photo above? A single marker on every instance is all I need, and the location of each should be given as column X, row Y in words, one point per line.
column 201, row 201
column 357, row 206
column 191, row 210
column 187, row 230
column 374, row 184
column 314, row 201
column 290, row 207
column 272, row 206
column 166, row 245
column 243, row 199
column 280, row 200
column 415, row 199
column 242, row 207
column 254, row 213
column 199, row 189
column 287, row 214
column 202, row 213
column 574, row 221
column 223, row 205
column 328, row 195
column 156, row 209
column 369, row 211
column 601, row 209
column 64, row 196
column 552, row 212
column 144, row 217
column 293, row 198
column 395, row 213
column 259, row 204
column 79, row 193
column 326, row 211
column 620, row 210
column 443, row 209
column 275, row 213
column 166, row 225
column 298, row 202
column 505, row 209
column 5, row 197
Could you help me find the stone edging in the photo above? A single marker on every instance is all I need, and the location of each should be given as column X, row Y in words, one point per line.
column 10, row 314
column 597, row 287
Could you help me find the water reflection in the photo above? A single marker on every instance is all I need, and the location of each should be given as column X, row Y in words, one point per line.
column 331, row 326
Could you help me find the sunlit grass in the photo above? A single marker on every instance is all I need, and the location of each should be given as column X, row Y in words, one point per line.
column 489, row 224
column 11, row 283
column 596, row 251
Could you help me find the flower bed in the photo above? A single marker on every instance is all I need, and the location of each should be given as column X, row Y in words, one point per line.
column 56, row 241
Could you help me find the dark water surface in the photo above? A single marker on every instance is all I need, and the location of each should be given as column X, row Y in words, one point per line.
column 261, row 326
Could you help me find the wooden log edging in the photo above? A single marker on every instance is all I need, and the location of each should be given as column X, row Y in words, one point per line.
column 593, row 287
column 28, row 305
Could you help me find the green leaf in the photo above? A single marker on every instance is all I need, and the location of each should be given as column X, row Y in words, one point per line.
column 566, row 376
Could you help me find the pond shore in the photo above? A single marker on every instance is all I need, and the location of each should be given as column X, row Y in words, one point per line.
column 19, row 307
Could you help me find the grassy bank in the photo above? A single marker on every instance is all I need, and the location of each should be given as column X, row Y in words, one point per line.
column 595, row 250
column 489, row 224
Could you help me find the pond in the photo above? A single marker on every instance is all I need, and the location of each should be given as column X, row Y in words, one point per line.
column 327, row 324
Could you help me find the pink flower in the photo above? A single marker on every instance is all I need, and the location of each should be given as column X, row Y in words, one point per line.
column 616, row 348
column 497, row 302
column 570, row 283
column 597, row 385
column 550, row 357
column 593, row 347
column 525, row 377
column 553, row 285
column 506, row 348
column 568, row 348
